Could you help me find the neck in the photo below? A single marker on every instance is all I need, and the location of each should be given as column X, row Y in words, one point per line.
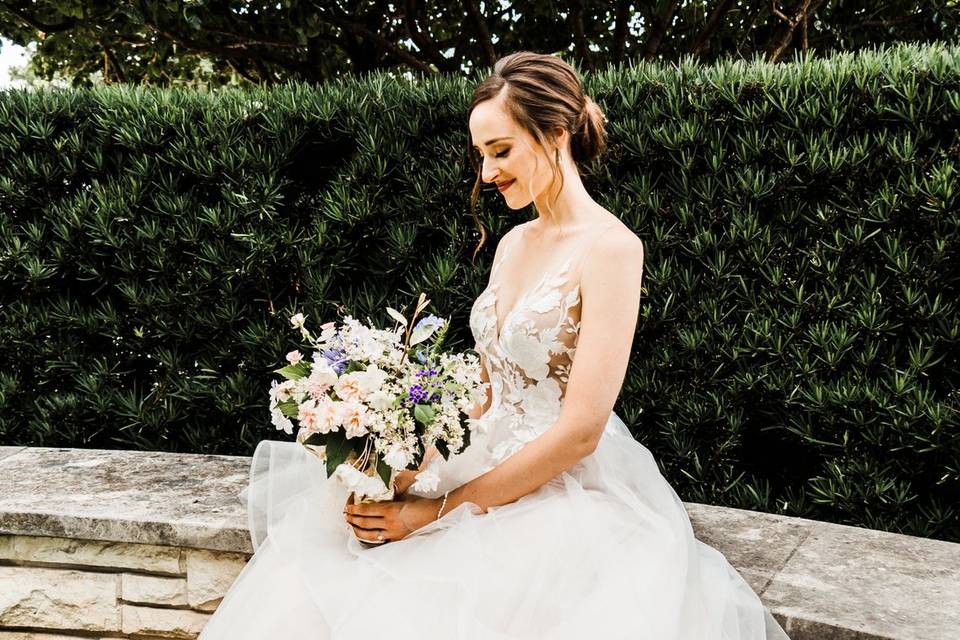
column 568, row 209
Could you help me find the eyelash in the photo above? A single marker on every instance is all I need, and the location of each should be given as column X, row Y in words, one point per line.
column 502, row 154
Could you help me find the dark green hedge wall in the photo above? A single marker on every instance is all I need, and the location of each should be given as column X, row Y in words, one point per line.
column 798, row 344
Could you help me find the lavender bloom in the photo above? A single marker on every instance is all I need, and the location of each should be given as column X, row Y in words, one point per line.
column 417, row 394
column 336, row 359
column 429, row 320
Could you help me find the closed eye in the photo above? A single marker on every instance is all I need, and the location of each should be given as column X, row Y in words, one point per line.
column 502, row 154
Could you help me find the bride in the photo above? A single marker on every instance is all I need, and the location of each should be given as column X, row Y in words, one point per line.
column 554, row 523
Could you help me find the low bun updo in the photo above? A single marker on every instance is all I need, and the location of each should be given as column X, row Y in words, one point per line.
column 590, row 140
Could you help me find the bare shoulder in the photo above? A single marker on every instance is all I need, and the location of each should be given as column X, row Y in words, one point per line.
column 616, row 247
column 506, row 239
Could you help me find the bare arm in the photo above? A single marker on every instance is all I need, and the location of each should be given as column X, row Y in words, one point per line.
column 610, row 288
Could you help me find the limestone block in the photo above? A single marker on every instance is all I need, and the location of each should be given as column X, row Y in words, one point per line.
column 153, row 589
column 42, row 598
column 209, row 576
column 96, row 553
column 166, row 623
column 29, row 635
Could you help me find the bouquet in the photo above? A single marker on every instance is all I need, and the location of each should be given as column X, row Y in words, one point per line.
column 367, row 410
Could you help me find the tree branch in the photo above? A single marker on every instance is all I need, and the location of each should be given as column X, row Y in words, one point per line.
column 426, row 46
column 621, row 22
column 782, row 39
column 483, row 33
column 716, row 17
column 256, row 56
column 579, row 37
column 110, row 60
column 370, row 36
column 658, row 29
column 65, row 25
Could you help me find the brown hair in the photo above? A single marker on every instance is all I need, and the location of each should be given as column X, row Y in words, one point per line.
column 542, row 93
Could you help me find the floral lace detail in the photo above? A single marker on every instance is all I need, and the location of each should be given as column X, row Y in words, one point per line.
column 529, row 358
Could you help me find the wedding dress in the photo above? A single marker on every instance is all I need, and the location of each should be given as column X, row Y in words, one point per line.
column 604, row 550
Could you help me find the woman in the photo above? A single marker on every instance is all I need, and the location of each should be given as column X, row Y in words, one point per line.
column 554, row 523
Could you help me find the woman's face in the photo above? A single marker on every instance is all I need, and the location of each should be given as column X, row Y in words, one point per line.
column 509, row 156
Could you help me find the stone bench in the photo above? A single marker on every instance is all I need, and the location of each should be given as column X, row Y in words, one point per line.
column 125, row 544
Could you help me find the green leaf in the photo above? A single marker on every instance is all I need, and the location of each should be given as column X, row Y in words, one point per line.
column 294, row 371
column 384, row 471
column 338, row 448
column 424, row 414
column 316, row 439
column 396, row 315
column 421, row 333
column 289, row 408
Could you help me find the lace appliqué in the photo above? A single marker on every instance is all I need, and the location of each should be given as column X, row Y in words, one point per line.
column 528, row 359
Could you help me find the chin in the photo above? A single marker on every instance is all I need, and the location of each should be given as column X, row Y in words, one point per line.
column 519, row 204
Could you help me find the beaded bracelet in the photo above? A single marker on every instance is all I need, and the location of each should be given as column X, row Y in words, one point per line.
column 443, row 505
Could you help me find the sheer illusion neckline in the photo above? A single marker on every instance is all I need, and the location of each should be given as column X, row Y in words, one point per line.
column 565, row 265
column 500, row 324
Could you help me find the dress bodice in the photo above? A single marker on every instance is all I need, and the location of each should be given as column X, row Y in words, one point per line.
column 528, row 358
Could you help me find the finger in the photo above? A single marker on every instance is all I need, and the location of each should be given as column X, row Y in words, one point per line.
column 370, row 535
column 365, row 522
column 368, row 509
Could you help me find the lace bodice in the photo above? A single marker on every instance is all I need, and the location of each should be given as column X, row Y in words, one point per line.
column 529, row 357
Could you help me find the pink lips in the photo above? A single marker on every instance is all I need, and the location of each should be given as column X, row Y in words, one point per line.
column 505, row 186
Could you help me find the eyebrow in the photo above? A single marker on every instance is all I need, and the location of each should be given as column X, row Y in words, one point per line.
column 490, row 142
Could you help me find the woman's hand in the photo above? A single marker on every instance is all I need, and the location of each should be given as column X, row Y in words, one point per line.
column 403, row 480
column 393, row 519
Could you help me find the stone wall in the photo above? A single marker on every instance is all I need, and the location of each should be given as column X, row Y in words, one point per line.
column 135, row 544
column 73, row 588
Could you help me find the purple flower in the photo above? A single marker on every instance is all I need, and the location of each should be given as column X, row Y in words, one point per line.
column 417, row 394
column 429, row 320
column 336, row 358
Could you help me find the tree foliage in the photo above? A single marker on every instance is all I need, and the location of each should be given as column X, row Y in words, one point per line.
column 212, row 42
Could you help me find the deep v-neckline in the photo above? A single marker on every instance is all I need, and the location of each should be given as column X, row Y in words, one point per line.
column 494, row 285
column 498, row 324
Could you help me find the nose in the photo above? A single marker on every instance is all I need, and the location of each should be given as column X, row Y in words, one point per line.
column 489, row 171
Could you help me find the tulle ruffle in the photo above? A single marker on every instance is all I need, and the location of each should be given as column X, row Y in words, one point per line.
column 603, row 550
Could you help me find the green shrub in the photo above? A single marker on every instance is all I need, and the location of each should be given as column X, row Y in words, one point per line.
column 797, row 350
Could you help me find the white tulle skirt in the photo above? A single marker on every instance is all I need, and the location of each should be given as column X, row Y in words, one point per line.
column 603, row 550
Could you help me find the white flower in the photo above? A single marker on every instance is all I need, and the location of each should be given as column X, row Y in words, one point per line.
column 297, row 321
column 330, row 415
column 360, row 483
column 397, row 458
column 380, row 400
column 309, row 415
column 294, row 357
column 348, row 388
column 280, row 421
column 427, row 480
column 281, row 392
column 355, row 419
column 322, row 377
column 372, row 379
